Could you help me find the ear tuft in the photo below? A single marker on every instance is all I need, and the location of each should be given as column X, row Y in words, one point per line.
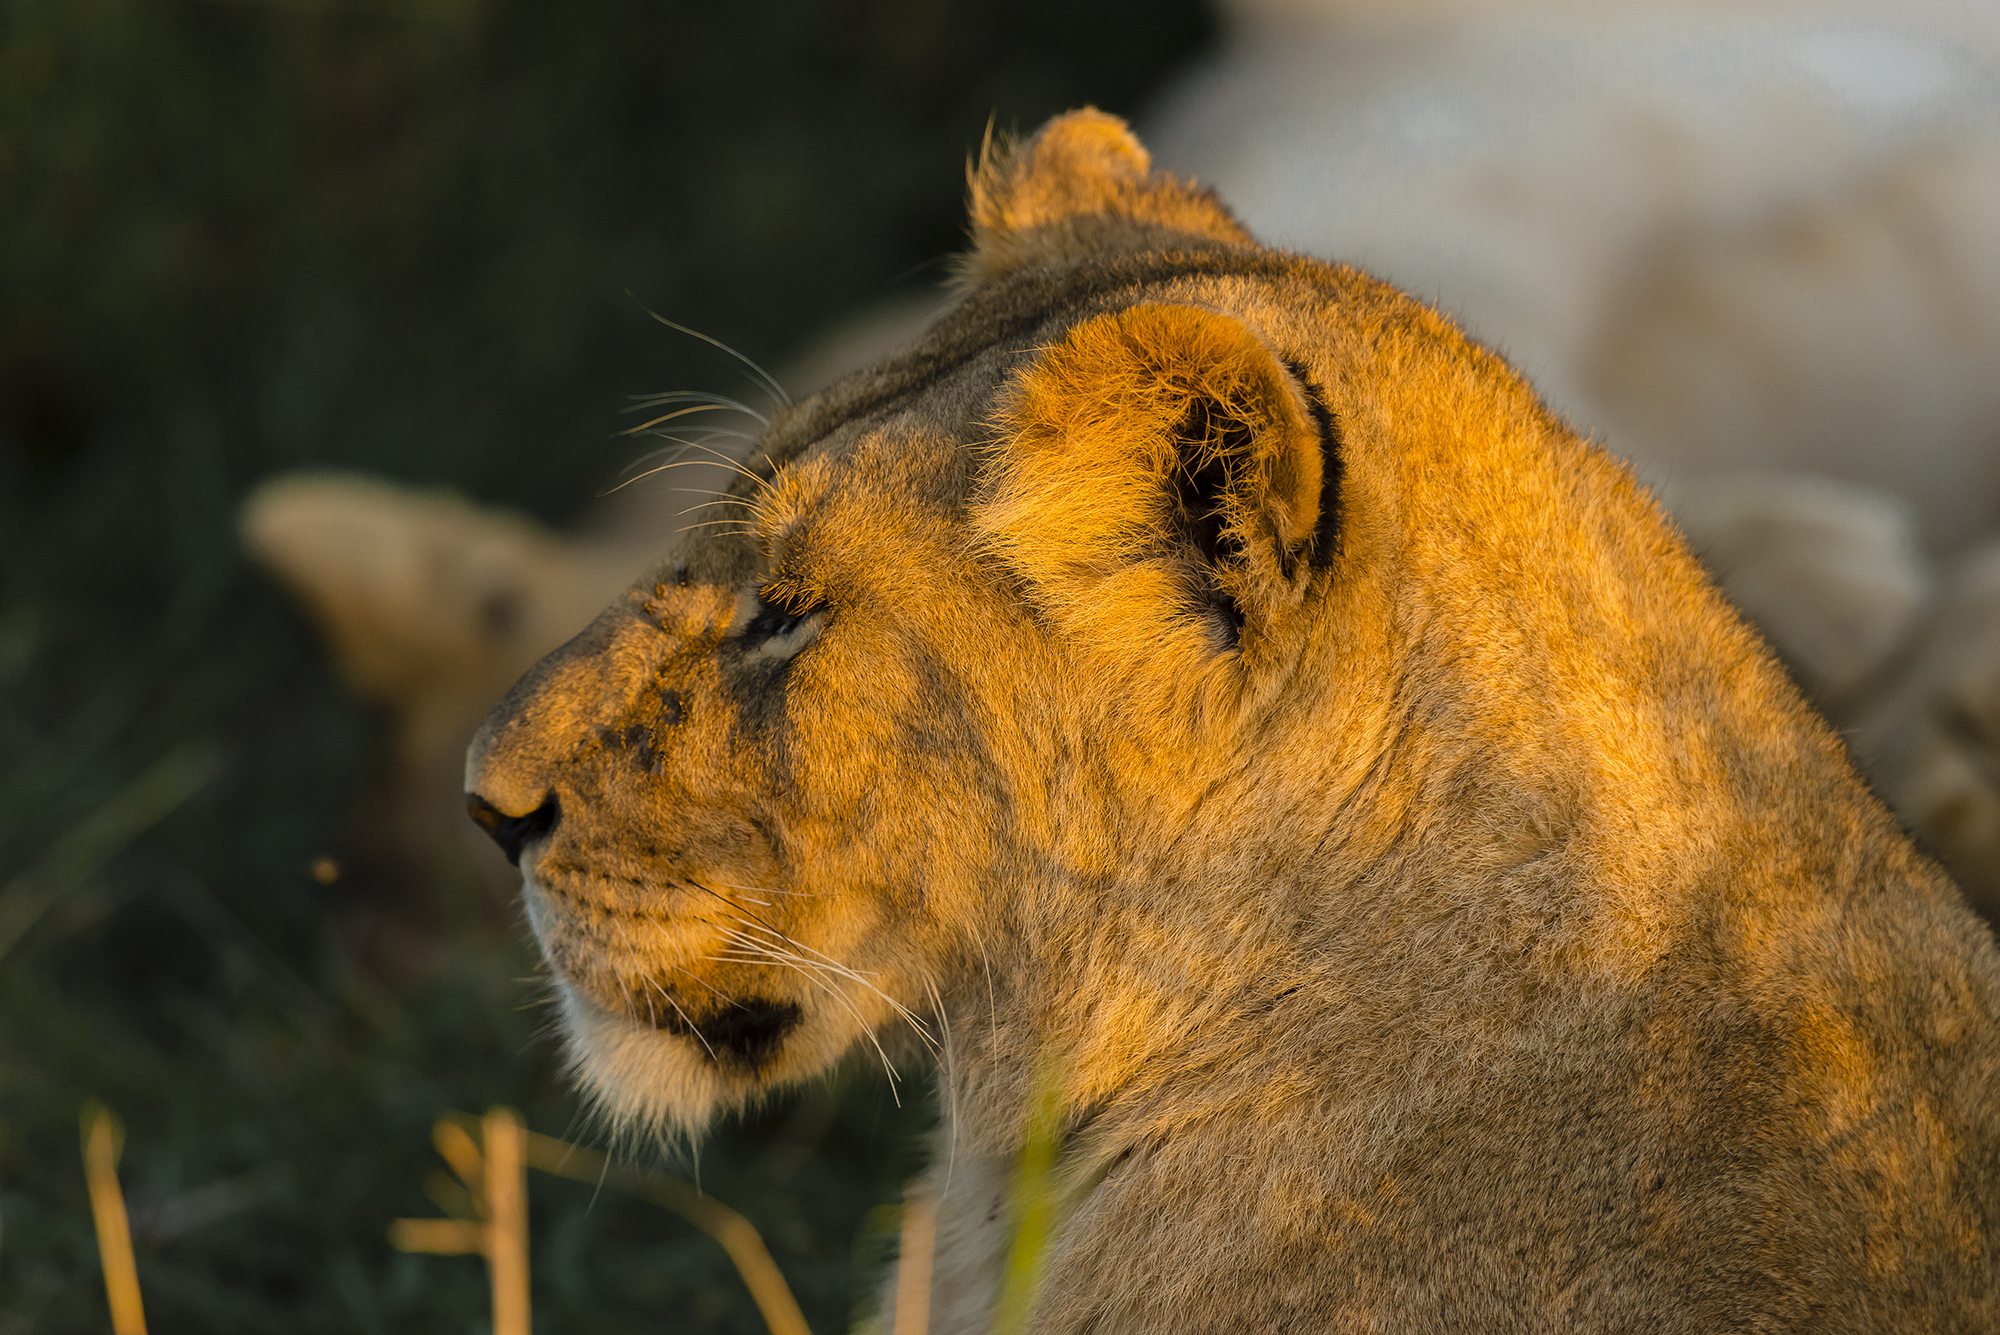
column 1082, row 188
column 1084, row 162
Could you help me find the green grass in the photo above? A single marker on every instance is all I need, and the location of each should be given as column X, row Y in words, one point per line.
column 242, row 237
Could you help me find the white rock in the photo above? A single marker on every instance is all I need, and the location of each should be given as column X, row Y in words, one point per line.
column 1932, row 740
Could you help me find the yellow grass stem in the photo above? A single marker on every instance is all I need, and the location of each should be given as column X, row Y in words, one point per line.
column 507, row 1226
column 737, row 1235
column 83, row 850
column 494, row 1177
column 497, row 1178
column 450, row 1195
column 456, row 1147
column 439, row 1237
column 103, row 1140
column 913, row 1263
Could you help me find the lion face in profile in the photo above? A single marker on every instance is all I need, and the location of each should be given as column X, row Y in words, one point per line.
column 1202, row 673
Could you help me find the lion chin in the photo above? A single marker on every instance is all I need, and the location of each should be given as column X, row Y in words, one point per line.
column 672, row 1078
column 658, row 1058
column 640, row 1081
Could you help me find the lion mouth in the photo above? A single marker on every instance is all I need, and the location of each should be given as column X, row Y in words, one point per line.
column 743, row 1031
column 746, row 1031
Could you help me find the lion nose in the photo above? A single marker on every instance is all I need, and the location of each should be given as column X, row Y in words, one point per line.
column 512, row 833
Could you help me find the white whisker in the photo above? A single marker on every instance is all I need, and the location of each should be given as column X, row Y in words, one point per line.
column 949, row 1079
column 625, row 930
column 761, row 956
column 697, row 978
column 740, row 531
column 689, row 411
column 686, row 1019
column 719, row 455
column 641, row 402
column 768, row 379
column 770, row 890
column 661, row 468
column 726, row 500
column 828, row 963
column 681, row 445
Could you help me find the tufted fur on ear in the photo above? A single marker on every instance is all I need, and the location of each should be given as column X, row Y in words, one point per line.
column 1165, row 487
column 1083, row 188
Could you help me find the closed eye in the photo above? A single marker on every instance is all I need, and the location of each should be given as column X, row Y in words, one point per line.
column 771, row 629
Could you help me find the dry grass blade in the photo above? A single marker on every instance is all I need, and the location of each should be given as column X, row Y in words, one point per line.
column 438, row 1237
column 507, row 1221
column 103, row 1138
column 101, row 836
column 738, row 1236
column 913, row 1263
column 497, row 1175
column 456, row 1147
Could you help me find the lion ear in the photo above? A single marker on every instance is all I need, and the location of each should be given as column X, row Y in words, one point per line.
column 1083, row 188
column 1163, row 476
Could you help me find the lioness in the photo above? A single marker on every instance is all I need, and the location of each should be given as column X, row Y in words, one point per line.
column 1206, row 694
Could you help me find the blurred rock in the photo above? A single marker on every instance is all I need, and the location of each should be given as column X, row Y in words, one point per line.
column 1829, row 571
column 1931, row 739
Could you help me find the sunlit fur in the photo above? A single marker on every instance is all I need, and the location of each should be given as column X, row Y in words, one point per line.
column 1218, row 681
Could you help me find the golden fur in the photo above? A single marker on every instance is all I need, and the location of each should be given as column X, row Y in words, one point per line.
column 1202, row 673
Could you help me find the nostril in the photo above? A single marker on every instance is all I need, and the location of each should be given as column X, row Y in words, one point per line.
column 512, row 833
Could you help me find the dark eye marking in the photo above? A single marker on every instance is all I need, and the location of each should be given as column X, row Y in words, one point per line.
column 770, row 620
column 779, row 622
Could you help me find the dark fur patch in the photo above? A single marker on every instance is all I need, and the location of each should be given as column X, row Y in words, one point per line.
column 1201, row 494
column 772, row 620
column 1326, row 533
column 652, row 716
column 1201, row 485
column 754, row 692
column 748, row 1031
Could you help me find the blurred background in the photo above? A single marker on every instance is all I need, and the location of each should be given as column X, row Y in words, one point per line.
column 420, row 245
